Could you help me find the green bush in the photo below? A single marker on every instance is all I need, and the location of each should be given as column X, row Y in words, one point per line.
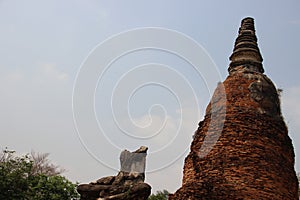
column 160, row 195
column 20, row 181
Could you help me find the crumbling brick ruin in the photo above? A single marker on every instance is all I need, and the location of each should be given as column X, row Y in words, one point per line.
column 252, row 157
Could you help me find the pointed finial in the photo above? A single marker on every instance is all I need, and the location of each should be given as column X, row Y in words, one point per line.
column 246, row 52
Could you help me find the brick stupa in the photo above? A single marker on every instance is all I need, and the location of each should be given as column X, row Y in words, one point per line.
column 241, row 150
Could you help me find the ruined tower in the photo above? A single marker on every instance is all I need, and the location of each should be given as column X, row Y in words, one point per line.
column 241, row 150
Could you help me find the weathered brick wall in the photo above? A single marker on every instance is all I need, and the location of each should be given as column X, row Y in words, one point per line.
column 253, row 157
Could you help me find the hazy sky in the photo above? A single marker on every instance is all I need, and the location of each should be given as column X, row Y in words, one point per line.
column 145, row 97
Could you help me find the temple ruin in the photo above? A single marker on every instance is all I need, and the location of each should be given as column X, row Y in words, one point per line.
column 253, row 157
column 241, row 150
column 128, row 184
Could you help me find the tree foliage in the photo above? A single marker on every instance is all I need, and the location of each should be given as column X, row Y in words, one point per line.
column 23, row 178
column 160, row 195
column 42, row 165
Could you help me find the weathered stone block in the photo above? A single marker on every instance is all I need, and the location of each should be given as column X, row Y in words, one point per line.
column 127, row 185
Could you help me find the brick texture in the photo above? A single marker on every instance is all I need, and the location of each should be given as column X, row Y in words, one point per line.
column 253, row 157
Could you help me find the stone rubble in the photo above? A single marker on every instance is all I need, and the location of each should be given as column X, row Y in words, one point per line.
column 128, row 184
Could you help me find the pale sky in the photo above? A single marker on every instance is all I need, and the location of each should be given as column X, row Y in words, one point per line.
column 148, row 97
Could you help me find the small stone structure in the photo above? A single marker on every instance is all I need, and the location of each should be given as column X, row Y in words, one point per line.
column 253, row 157
column 127, row 185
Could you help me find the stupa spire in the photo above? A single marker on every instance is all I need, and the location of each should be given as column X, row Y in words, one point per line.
column 241, row 149
column 246, row 52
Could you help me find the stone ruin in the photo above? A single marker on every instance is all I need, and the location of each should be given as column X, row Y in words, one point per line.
column 253, row 158
column 128, row 184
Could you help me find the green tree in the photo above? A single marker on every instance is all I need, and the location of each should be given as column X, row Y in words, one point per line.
column 160, row 195
column 20, row 179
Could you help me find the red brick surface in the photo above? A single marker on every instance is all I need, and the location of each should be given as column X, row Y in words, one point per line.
column 253, row 157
